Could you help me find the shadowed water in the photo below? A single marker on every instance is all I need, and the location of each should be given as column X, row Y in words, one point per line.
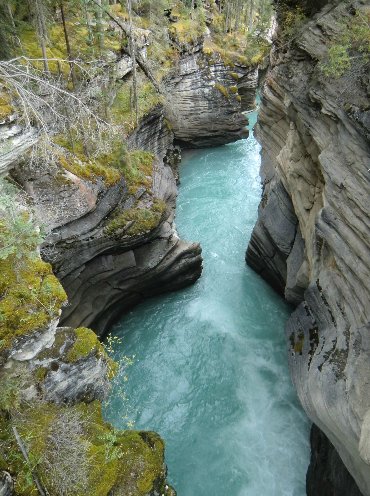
column 210, row 372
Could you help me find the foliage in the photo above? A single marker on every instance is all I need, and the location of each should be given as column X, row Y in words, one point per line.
column 352, row 41
column 135, row 221
column 6, row 107
column 19, row 237
column 74, row 452
column 137, row 169
column 292, row 21
column 30, row 295
column 121, row 110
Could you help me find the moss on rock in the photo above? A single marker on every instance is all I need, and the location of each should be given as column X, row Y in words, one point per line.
column 136, row 221
column 6, row 107
column 107, row 461
column 88, row 169
column 222, row 89
column 138, row 170
column 31, row 297
column 86, row 342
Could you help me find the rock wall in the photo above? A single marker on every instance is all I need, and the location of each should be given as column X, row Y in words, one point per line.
column 104, row 273
column 207, row 98
column 311, row 240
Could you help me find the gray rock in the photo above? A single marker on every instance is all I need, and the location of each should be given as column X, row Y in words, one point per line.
column 202, row 110
column 326, row 474
column 6, row 484
column 105, row 274
column 314, row 136
column 85, row 380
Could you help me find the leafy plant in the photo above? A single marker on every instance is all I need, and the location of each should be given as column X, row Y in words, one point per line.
column 18, row 234
column 352, row 42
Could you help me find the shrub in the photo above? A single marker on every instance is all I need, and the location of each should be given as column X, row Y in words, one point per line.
column 353, row 41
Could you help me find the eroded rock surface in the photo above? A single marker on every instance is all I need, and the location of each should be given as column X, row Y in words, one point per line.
column 15, row 140
column 207, row 99
column 311, row 241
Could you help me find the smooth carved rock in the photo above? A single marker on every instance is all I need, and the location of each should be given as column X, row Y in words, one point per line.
column 326, row 474
column 105, row 273
column 314, row 134
column 202, row 108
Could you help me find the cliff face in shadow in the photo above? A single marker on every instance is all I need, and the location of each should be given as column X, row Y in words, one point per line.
column 311, row 240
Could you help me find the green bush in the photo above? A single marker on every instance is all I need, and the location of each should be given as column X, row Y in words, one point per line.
column 352, row 42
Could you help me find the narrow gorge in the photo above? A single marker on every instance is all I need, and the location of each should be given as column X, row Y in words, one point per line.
column 97, row 104
column 311, row 240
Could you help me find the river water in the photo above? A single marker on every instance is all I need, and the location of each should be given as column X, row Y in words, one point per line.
column 210, row 371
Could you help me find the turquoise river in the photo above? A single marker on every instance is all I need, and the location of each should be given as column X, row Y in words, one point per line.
column 210, row 372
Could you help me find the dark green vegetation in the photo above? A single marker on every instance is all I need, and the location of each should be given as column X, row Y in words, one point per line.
column 349, row 43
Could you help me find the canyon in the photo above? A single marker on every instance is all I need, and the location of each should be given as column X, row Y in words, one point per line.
column 310, row 243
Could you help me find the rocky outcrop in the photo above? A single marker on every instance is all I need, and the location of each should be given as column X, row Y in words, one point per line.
column 6, row 484
column 15, row 140
column 311, row 241
column 57, row 377
column 106, row 271
column 154, row 133
column 207, row 97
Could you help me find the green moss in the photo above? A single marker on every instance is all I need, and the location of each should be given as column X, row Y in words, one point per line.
column 84, row 49
column 86, row 343
column 132, row 461
column 64, row 337
column 135, row 221
column 89, row 169
column 353, row 37
column 234, row 75
column 30, row 297
column 233, row 89
column 121, row 111
column 186, row 31
column 222, row 89
column 6, row 107
column 110, row 461
column 40, row 373
column 138, row 170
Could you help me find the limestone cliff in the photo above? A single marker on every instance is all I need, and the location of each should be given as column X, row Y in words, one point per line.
column 312, row 237
column 207, row 96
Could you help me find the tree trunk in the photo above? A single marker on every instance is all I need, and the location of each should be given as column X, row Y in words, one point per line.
column 133, row 57
column 22, row 447
column 250, row 25
column 39, row 16
column 68, row 46
column 139, row 59
column 87, row 22
column 99, row 24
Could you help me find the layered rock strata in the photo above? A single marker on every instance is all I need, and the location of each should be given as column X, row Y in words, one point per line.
column 106, row 271
column 52, row 382
column 207, row 98
column 311, row 240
